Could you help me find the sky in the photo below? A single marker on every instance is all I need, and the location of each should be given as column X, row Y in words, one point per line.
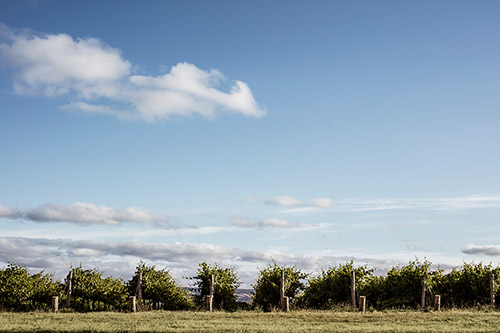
column 306, row 132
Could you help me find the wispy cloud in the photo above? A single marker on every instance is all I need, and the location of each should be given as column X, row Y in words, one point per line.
column 90, row 71
column 294, row 205
column 272, row 222
column 438, row 204
column 489, row 250
column 86, row 213
column 289, row 202
column 243, row 223
column 279, row 223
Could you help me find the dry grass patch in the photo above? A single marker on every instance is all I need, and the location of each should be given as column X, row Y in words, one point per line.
column 297, row 321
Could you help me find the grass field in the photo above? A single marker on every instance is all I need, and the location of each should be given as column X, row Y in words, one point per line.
column 299, row 321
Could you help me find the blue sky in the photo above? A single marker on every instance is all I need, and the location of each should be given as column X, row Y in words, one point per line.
column 231, row 132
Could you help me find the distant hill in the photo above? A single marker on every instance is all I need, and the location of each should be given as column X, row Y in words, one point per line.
column 243, row 295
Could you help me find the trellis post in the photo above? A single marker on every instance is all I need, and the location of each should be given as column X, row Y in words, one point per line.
column 210, row 297
column 422, row 301
column 55, row 303
column 353, row 288
column 131, row 303
column 437, row 302
column 284, row 300
column 138, row 292
column 362, row 303
column 69, row 285
column 492, row 290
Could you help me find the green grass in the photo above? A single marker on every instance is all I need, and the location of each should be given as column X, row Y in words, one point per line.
column 297, row 321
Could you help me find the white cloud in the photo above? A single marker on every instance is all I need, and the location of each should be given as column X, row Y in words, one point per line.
column 289, row 202
column 489, row 250
column 57, row 64
column 188, row 90
column 86, row 213
column 89, row 70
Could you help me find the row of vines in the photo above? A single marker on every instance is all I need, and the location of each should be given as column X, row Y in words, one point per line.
column 465, row 286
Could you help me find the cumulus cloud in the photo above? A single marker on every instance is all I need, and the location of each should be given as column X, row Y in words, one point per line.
column 90, row 71
column 57, row 64
column 289, row 202
column 188, row 90
column 86, row 213
column 489, row 250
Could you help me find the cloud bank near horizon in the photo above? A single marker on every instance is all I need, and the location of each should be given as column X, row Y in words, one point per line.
column 99, row 80
column 120, row 257
column 59, row 254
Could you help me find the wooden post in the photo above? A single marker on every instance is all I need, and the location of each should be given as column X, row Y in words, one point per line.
column 55, row 303
column 286, row 303
column 492, row 290
column 68, row 291
column 362, row 303
column 282, row 291
column 422, row 301
column 437, row 302
column 353, row 289
column 210, row 297
column 138, row 292
column 131, row 303
column 210, row 303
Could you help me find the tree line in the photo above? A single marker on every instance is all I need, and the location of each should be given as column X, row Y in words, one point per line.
column 465, row 286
